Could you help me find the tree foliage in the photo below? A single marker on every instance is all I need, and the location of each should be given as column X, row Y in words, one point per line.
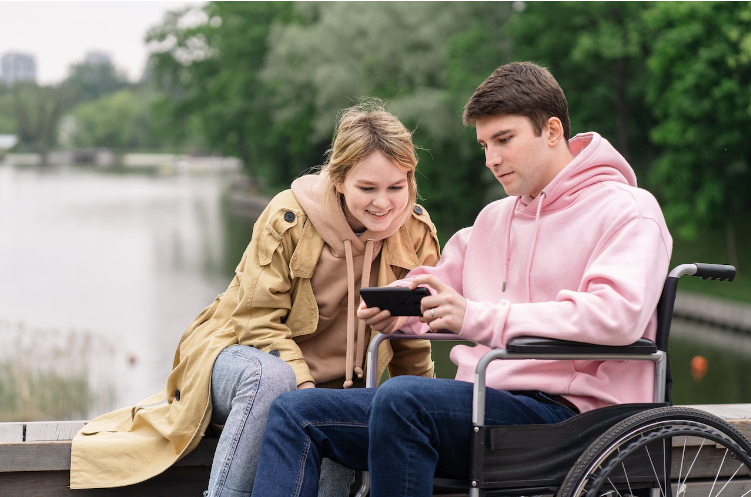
column 597, row 52
column 119, row 120
column 666, row 83
column 700, row 90
column 207, row 62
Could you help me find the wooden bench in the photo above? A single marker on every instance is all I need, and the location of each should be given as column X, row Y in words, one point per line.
column 35, row 460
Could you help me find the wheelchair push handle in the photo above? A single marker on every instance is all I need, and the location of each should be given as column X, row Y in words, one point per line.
column 722, row 272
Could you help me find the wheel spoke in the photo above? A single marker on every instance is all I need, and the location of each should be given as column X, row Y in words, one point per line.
column 722, row 463
column 729, row 479
column 654, row 470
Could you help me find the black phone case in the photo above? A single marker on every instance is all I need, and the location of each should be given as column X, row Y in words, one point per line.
column 399, row 301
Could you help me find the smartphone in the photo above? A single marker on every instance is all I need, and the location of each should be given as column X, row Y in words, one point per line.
column 400, row 301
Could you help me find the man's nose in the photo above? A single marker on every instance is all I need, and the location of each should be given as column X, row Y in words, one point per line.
column 492, row 159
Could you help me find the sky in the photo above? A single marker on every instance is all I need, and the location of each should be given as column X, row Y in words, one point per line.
column 59, row 34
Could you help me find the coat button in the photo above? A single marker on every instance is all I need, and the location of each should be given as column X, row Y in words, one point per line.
column 275, row 353
column 417, row 210
column 177, row 394
column 289, row 216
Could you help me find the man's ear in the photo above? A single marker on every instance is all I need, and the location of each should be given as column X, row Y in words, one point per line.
column 555, row 131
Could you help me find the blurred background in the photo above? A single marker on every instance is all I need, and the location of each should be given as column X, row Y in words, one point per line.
column 139, row 141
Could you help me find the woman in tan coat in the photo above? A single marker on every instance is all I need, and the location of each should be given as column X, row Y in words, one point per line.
column 287, row 320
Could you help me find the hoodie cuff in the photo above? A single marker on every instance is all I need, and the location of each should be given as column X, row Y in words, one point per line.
column 484, row 323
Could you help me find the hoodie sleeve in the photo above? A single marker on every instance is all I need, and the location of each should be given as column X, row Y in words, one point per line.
column 613, row 305
column 449, row 270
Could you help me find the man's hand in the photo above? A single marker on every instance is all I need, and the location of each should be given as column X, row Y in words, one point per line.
column 444, row 310
column 380, row 320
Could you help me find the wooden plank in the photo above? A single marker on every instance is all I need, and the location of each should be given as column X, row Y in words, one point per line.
column 175, row 481
column 52, row 431
column 11, row 432
column 55, row 456
column 727, row 411
column 36, row 456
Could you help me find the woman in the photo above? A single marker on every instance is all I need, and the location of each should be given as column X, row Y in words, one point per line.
column 287, row 320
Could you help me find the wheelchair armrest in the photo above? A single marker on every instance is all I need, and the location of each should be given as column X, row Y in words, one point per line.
column 533, row 345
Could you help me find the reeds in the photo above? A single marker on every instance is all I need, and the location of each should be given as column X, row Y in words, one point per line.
column 50, row 374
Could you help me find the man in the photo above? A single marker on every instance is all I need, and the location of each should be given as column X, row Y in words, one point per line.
column 575, row 252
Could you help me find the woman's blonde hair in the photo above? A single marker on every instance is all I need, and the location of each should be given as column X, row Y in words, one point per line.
column 361, row 130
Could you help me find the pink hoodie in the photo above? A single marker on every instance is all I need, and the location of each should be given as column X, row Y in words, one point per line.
column 585, row 260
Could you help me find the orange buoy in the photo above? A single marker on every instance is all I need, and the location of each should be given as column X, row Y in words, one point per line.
column 699, row 367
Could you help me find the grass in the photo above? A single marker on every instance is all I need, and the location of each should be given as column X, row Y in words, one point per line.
column 45, row 373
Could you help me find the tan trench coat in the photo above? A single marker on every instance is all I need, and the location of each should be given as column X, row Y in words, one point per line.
column 133, row 444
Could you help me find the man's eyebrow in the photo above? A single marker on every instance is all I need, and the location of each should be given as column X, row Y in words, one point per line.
column 500, row 132
column 497, row 134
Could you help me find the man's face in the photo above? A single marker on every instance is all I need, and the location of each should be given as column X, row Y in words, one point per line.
column 520, row 160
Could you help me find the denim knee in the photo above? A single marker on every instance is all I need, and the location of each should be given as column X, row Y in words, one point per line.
column 395, row 394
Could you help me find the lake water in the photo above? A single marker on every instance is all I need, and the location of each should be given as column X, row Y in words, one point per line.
column 101, row 272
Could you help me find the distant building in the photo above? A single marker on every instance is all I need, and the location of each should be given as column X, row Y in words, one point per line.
column 16, row 67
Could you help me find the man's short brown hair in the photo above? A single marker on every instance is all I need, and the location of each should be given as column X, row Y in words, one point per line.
column 519, row 88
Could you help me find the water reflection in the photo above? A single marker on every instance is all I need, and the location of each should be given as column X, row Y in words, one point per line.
column 126, row 259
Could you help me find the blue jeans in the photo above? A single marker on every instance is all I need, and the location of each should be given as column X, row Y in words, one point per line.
column 403, row 433
column 244, row 382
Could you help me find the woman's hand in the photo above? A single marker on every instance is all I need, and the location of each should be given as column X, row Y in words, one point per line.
column 380, row 320
column 444, row 310
column 306, row 384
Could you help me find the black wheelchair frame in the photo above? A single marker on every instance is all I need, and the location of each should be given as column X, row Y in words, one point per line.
column 624, row 449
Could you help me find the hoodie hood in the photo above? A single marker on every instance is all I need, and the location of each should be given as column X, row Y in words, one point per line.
column 323, row 207
column 595, row 161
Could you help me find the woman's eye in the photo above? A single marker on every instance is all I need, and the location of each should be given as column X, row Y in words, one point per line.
column 396, row 188
column 367, row 188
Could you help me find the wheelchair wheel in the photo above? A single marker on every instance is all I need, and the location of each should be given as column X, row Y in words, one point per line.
column 668, row 452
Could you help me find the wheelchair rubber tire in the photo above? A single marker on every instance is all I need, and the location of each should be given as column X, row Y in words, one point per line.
column 603, row 462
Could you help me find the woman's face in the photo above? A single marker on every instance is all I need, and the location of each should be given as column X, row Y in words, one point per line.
column 375, row 192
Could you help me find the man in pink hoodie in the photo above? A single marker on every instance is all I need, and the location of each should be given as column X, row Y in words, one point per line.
column 575, row 252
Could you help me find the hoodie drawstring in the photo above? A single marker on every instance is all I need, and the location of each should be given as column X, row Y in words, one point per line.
column 541, row 197
column 353, row 360
column 507, row 255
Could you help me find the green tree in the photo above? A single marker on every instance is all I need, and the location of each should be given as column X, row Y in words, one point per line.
column 209, row 72
column 36, row 112
column 88, row 81
column 7, row 117
column 119, row 120
column 700, row 90
column 597, row 52
column 404, row 53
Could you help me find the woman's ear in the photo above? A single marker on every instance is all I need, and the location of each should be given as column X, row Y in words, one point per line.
column 555, row 130
column 338, row 187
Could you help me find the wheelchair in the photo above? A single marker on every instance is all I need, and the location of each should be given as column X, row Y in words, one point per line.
column 650, row 449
